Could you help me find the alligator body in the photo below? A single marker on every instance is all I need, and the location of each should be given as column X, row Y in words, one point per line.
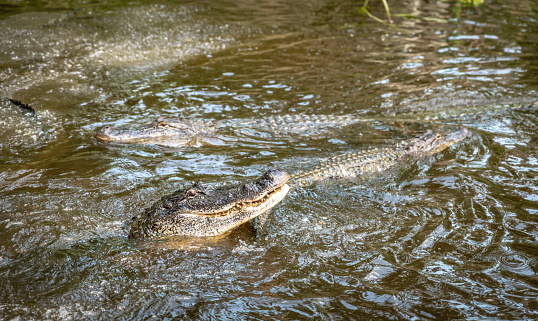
column 365, row 162
column 163, row 131
column 202, row 210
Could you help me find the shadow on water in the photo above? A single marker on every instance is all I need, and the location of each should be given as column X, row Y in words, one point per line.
column 451, row 236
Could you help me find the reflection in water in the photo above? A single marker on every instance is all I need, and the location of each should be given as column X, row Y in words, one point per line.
column 449, row 237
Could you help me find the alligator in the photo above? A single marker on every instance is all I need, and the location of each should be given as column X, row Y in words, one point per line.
column 204, row 210
column 162, row 131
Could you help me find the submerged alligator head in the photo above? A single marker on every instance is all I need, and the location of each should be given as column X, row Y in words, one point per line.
column 203, row 210
column 160, row 130
column 431, row 143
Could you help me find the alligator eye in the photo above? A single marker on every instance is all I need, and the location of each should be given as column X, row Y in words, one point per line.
column 191, row 193
column 162, row 124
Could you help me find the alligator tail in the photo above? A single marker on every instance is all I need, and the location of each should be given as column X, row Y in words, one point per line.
column 24, row 107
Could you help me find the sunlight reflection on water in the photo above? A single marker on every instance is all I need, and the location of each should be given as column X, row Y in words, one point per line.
column 449, row 236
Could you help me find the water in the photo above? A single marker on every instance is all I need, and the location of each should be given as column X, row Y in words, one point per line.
column 452, row 236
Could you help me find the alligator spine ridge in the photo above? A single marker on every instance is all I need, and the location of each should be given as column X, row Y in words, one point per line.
column 21, row 105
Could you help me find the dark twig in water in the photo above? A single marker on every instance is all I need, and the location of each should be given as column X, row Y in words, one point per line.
column 24, row 107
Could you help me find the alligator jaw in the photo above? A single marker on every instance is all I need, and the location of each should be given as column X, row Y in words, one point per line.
column 202, row 210
column 258, row 206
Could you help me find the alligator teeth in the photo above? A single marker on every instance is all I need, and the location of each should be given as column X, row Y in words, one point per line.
column 242, row 205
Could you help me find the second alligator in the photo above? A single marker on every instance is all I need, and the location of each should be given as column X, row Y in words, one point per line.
column 162, row 131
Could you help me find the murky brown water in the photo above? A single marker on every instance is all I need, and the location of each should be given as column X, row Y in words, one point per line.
column 452, row 236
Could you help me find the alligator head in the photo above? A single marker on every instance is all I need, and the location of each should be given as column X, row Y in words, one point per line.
column 204, row 210
column 160, row 130
column 431, row 143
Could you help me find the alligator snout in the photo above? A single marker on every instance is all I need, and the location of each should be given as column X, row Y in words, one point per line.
column 104, row 133
column 277, row 177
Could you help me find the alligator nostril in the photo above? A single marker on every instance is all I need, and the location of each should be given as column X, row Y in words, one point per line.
column 249, row 188
column 269, row 174
column 167, row 205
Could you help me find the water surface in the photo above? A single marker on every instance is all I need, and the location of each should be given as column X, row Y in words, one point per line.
column 452, row 236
